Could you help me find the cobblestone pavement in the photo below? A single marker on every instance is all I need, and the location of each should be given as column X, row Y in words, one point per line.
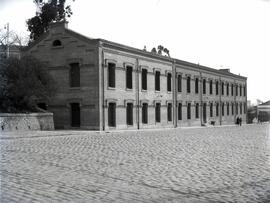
column 218, row 164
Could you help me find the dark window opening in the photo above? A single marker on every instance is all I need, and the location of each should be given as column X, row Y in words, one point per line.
column 228, row 109
column 196, row 85
column 245, row 108
column 112, row 115
column 75, row 115
column 211, row 109
column 236, row 108
column 222, row 109
column 74, row 75
column 57, row 43
column 144, row 79
column 217, row 109
column 129, row 77
column 232, row 109
column 179, row 80
column 227, row 89
column 244, row 91
column 169, row 82
column 197, row 110
column 240, row 87
column 232, row 89
column 157, row 81
column 169, row 112
column 145, row 113
column 188, row 84
column 236, row 90
column 204, row 86
column 216, row 87
column 157, row 112
column 111, row 75
column 129, row 113
column 179, row 111
column 211, row 87
column 222, row 88
column 240, row 108
column 189, row 111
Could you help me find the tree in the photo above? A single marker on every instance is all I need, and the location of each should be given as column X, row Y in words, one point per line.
column 47, row 12
column 161, row 49
column 22, row 83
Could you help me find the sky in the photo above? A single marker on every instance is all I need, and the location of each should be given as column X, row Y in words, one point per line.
column 232, row 34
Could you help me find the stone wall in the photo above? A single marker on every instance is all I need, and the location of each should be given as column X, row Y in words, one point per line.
column 33, row 121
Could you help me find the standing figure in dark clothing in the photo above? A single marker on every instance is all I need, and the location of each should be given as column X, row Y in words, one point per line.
column 237, row 121
column 240, row 121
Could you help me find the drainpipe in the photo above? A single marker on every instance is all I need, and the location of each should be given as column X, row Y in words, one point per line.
column 102, row 86
column 174, row 95
column 201, row 99
column 137, row 94
column 246, row 100
column 220, row 106
column 234, row 99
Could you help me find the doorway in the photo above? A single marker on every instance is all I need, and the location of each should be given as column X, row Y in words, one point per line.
column 75, row 115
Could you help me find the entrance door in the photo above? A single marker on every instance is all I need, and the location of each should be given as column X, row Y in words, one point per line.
column 204, row 113
column 75, row 115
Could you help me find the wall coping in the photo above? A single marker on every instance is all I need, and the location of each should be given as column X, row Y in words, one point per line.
column 24, row 114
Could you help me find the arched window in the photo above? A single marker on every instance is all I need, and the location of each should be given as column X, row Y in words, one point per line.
column 57, row 43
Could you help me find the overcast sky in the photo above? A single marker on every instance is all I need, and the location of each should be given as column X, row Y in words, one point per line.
column 232, row 34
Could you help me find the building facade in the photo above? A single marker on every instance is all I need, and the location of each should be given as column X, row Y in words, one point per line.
column 103, row 85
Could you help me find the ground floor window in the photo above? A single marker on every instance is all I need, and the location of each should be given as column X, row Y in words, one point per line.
column 169, row 112
column 232, row 109
column 240, row 108
column 112, row 114
column 189, row 111
column 75, row 114
column 236, row 108
column 179, row 111
column 129, row 111
column 222, row 109
column 228, row 109
column 145, row 113
column 211, row 109
column 157, row 112
column 197, row 110
column 217, row 109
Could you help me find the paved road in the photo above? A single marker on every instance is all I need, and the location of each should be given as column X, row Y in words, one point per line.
column 218, row 164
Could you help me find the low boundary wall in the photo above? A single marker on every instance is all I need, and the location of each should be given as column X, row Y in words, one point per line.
column 22, row 122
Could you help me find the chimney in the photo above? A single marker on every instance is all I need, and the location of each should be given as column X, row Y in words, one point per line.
column 225, row 70
column 58, row 27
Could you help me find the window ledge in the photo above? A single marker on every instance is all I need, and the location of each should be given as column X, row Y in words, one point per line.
column 157, row 91
column 144, row 90
column 169, row 92
column 129, row 89
column 111, row 88
column 75, row 88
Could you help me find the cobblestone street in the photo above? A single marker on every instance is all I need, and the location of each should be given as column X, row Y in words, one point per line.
column 214, row 164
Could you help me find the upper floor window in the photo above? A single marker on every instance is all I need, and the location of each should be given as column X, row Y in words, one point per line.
column 196, row 85
column 236, row 90
column 188, row 84
column 129, row 77
column 144, row 79
column 179, row 83
column 222, row 88
column 169, row 82
column 211, row 87
column 204, row 86
column 216, row 87
column 74, row 75
column 227, row 89
column 111, row 75
column 232, row 90
column 57, row 43
column 157, row 81
column 244, row 90
column 240, row 88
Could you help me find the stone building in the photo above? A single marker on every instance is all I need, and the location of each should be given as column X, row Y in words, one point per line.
column 105, row 85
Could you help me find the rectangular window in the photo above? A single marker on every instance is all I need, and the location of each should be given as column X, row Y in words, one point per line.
column 188, row 84
column 197, row 110
column 169, row 82
column 196, row 85
column 236, row 90
column 179, row 111
column 232, row 109
column 204, row 86
column 232, row 90
column 227, row 89
column 236, row 108
column 244, row 91
column 145, row 113
column 112, row 115
column 189, row 111
column 211, row 87
column 228, row 109
column 129, row 77
column 240, row 88
column 211, row 109
column 157, row 81
column 222, row 88
column 129, row 113
column 179, row 80
column 111, row 75
column 217, row 109
column 75, row 114
column 157, row 112
column 144, row 79
column 169, row 112
column 222, row 109
column 240, row 108
column 216, row 87
column 245, row 108
column 74, row 75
